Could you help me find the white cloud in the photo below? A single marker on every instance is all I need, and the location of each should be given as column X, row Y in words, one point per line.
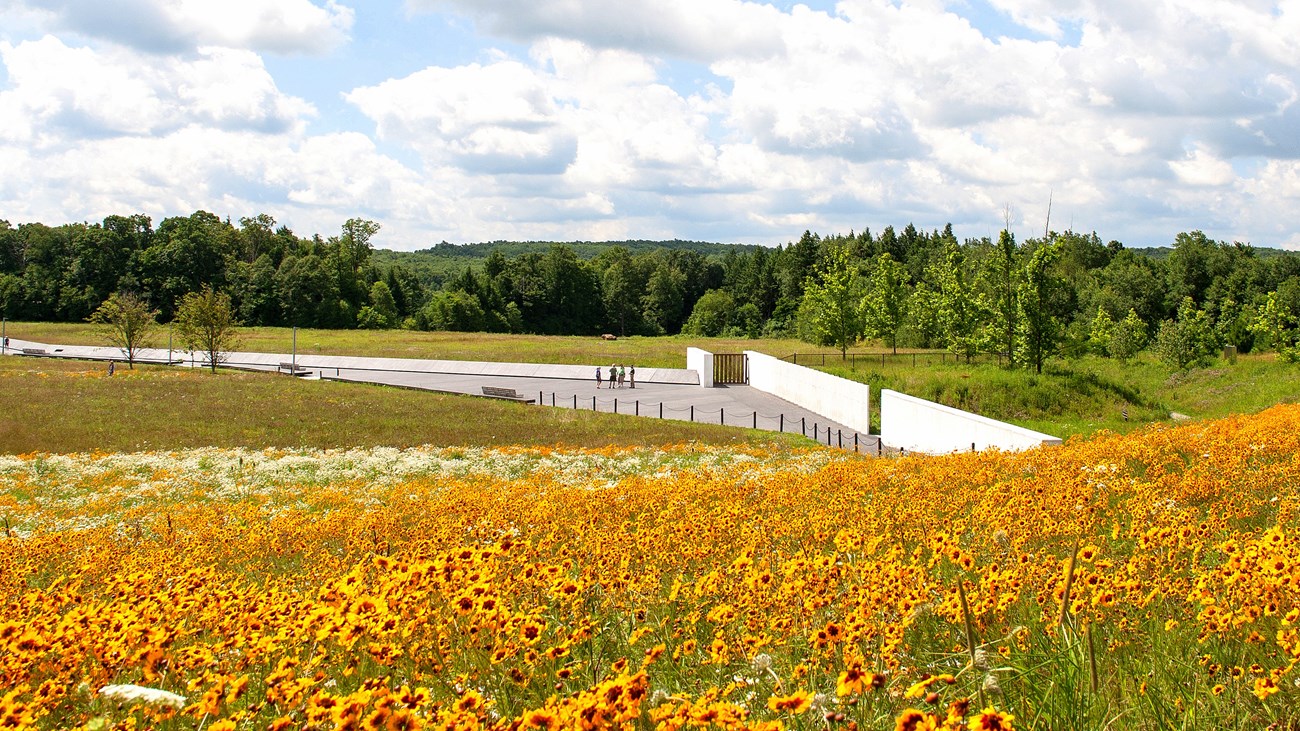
column 58, row 94
column 171, row 26
column 701, row 30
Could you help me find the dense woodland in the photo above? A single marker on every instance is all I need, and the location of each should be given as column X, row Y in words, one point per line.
column 1066, row 292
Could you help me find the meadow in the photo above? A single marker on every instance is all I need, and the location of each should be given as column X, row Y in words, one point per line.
column 51, row 405
column 1141, row 581
column 1072, row 397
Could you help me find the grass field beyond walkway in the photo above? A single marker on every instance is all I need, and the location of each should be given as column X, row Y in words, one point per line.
column 73, row 406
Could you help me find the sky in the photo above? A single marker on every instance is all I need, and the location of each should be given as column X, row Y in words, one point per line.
column 715, row 120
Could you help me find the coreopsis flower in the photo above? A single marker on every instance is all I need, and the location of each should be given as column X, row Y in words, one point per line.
column 795, row 703
column 991, row 720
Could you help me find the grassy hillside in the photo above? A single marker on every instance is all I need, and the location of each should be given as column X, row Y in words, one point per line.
column 1070, row 397
column 69, row 406
column 1090, row 394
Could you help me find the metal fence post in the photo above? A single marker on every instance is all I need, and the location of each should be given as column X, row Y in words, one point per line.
column 755, row 419
column 855, row 442
column 839, row 438
column 638, row 407
column 575, row 401
column 782, row 422
column 692, row 412
column 803, row 425
column 661, row 409
column 615, row 404
column 593, row 403
column 722, row 416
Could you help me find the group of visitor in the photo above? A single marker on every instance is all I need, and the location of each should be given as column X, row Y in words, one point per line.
column 617, row 376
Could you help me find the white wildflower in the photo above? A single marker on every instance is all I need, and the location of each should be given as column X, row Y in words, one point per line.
column 761, row 662
column 141, row 694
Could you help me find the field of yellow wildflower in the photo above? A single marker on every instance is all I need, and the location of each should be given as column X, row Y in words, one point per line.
column 1141, row 581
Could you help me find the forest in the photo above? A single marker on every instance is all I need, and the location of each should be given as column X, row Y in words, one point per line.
column 1063, row 293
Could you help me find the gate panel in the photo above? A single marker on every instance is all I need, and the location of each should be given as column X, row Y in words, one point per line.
column 730, row 368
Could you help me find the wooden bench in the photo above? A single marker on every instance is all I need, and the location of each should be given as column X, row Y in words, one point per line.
column 293, row 369
column 506, row 393
column 33, row 351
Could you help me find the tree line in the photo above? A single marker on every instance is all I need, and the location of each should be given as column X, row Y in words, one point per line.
column 1064, row 292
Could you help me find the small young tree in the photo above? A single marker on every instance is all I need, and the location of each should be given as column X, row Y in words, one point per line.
column 1187, row 341
column 832, row 300
column 1278, row 322
column 127, row 323
column 206, row 323
column 1101, row 332
column 1041, row 330
column 884, row 308
column 1127, row 337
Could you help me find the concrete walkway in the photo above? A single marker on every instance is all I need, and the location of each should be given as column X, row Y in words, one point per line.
column 660, row 392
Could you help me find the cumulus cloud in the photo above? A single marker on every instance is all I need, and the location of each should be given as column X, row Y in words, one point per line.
column 58, row 94
column 725, row 119
column 701, row 30
column 172, row 26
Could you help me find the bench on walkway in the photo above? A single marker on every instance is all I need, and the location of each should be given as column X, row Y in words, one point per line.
column 506, row 393
column 33, row 351
column 293, row 369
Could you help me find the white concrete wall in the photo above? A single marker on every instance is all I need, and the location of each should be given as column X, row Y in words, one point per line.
column 701, row 361
column 917, row 425
column 838, row 399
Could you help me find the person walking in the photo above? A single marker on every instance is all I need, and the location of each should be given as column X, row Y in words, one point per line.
column 110, row 367
column 622, row 373
column 598, row 370
column 631, row 375
column 613, row 375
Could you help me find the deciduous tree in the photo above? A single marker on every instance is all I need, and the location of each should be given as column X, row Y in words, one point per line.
column 206, row 324
column 127, row 322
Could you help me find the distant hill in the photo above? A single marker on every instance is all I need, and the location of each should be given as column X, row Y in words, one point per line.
column 444, row 260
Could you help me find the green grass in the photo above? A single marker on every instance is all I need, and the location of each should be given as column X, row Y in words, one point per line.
column 1069, row 398
column 1090, row 394
column 647, row 352
column 70, row 406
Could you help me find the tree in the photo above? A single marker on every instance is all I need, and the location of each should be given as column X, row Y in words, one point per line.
column 1127, row 337
column 833, row 301
column 884, row 308
column 1278, row 322
column 1188, row 340
column 205, row 321
column 1101, row 332
column 961, row 309
column 712, row 314
column 1040, row 327
column 127, row 323
column 1003, row 277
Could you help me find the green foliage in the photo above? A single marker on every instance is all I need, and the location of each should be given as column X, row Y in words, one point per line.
column 205, row 322
column 1187, row 341
column 1003, row 277
column 1040, row 327
column 712, row 315
column 961, row 310
column 1127, row 337
column 128, row 323
column 1278, row 322
column 832, row 302
column 1101, row 332
column 452, row 310
column 885, row 305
